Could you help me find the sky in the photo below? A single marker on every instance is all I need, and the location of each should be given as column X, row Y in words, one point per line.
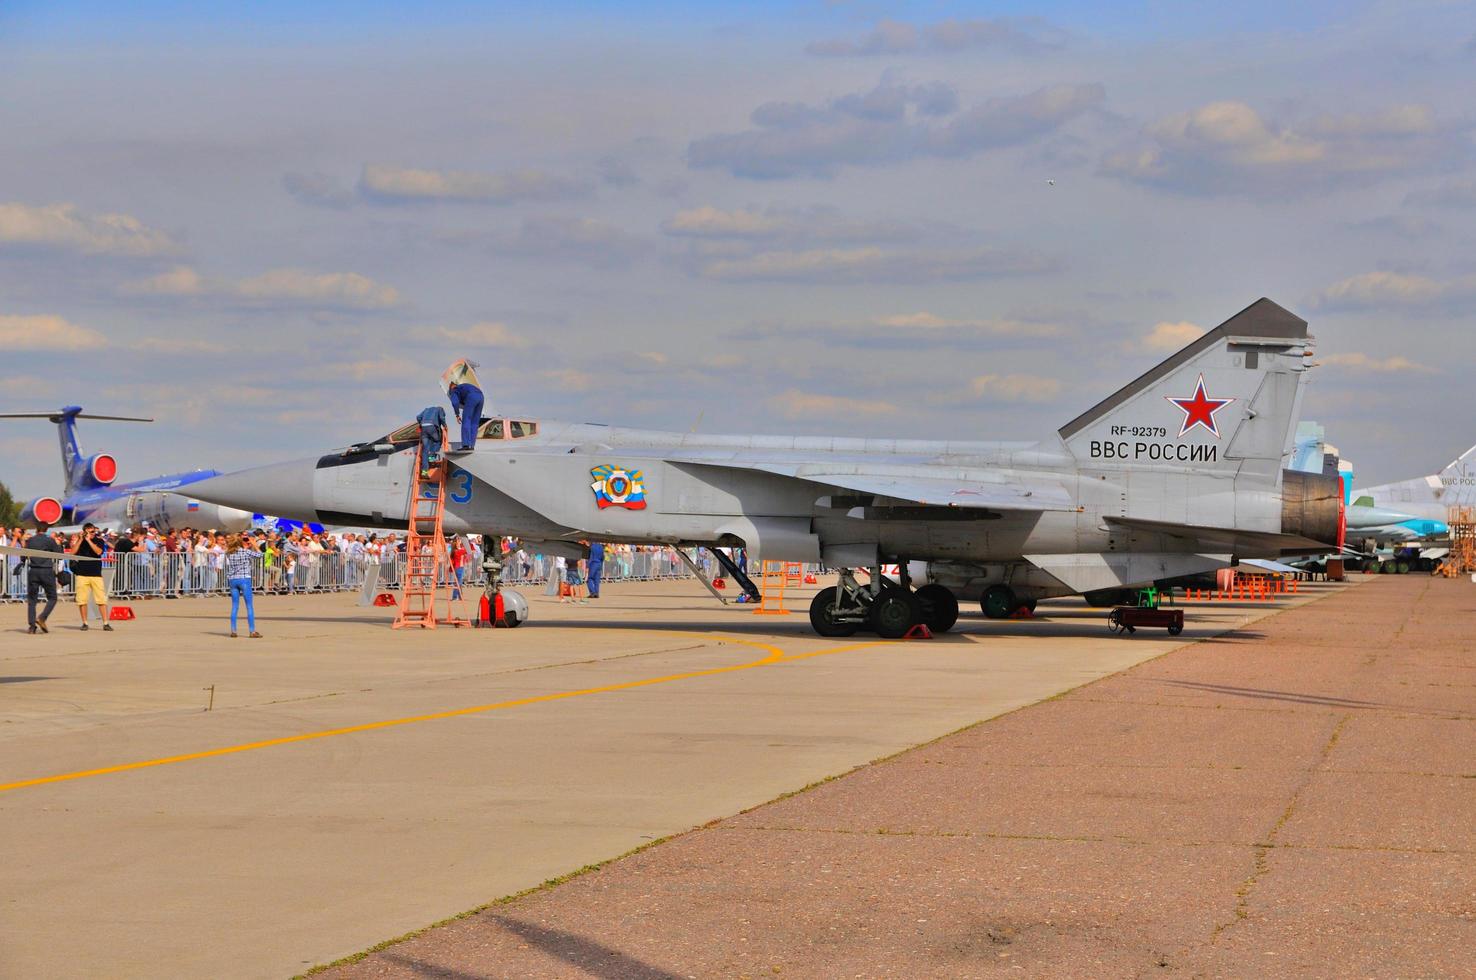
column 271, row 226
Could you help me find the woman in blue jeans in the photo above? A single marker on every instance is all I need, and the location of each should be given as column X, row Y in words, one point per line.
column 240, row 564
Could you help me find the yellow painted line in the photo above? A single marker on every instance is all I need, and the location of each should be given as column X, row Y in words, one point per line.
column 775, row 656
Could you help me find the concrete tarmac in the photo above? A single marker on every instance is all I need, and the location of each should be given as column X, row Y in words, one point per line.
column 1297, row 799
column 350, row 783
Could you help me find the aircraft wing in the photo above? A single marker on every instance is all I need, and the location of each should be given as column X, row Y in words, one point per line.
column 935, row 486
column 1239, row 542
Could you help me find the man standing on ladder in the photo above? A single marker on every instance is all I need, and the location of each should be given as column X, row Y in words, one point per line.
column 466, row 401
column 432, row 433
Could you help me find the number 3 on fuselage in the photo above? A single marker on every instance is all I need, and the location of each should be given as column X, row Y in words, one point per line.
column 458, row 487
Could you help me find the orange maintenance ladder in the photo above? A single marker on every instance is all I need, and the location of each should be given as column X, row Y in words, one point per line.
column 427, row 569
column 773, row 578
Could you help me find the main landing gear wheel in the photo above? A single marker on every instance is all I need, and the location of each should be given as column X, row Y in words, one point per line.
column 822, row 609
column 999, row 602
column 894, row 612
column 939, row 607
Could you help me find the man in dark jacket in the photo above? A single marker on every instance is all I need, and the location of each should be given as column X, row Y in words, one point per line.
column 40, row 577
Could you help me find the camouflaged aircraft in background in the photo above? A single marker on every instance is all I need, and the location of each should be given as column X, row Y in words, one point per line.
column 1179, row 472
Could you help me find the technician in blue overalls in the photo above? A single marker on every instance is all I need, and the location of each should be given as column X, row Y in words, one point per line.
column 432, row 428
column 466, row 402
column 596, row 568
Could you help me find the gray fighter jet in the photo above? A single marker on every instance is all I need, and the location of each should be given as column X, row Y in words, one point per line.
column 1179, row 472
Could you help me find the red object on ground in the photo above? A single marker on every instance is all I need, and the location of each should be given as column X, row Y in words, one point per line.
column 121, row 612
column 385, row 599
column 918, row 632
column 1126, row 619
column 1022, row 613
column 719, row 583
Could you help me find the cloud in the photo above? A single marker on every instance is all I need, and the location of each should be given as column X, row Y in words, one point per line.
column 1166, row 337
column 616, row 172
column 1030, row 388
column 871, row 265
column 1358, row 361
column 378, row 369
column 399, row 185
column 276, row 288
column 485, row 334
column 1227, row 148
column 1412, row 227
column 888, row 124
column 891, row 37
column 798, row 404
column 27, row 386
column 583, row 239
column 570, row 379
column 911, row 333
column 1395, row 290
column 62, row 226
column 175, row 345
column 787, row 225
column 45, row 332
column 321, row 190
column 1451, row 194
column 931, row 323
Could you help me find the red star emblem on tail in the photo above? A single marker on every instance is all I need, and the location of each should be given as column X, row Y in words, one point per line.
column 1200, row 409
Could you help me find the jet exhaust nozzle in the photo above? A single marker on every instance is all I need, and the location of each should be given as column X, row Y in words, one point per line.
column 1312, row 506
column 42, row 510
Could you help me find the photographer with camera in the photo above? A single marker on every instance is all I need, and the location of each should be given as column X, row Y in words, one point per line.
column 87, row 551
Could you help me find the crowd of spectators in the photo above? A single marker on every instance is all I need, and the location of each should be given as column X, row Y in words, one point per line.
column 189, row 561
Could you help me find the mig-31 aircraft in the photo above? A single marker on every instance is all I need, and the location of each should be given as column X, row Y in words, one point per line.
column 1179, row 472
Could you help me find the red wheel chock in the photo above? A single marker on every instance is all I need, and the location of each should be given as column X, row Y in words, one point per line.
column 918, row 632
column 1022, row 613
column 121, row 612
column 385, row 599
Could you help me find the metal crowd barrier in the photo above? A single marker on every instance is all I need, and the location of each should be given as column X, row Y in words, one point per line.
column 183, row 574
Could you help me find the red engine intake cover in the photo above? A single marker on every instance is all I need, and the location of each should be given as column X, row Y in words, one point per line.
column 104, row 468
column 47, row 510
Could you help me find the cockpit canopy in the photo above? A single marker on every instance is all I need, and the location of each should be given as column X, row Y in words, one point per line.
column 499, row 428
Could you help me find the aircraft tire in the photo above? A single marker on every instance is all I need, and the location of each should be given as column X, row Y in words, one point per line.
column 999, row 602
column 939, row 607
column 820, row 620
column 893, row 613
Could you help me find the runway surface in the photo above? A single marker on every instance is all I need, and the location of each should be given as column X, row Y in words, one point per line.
column 351, row 783
column 1295, row 799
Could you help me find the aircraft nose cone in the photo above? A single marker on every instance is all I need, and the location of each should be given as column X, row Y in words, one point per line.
column 281, row 490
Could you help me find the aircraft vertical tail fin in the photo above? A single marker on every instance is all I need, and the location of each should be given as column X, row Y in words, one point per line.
column 80, row 473
column 1459, row 480
column 73, row 466
column 1228, row 402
